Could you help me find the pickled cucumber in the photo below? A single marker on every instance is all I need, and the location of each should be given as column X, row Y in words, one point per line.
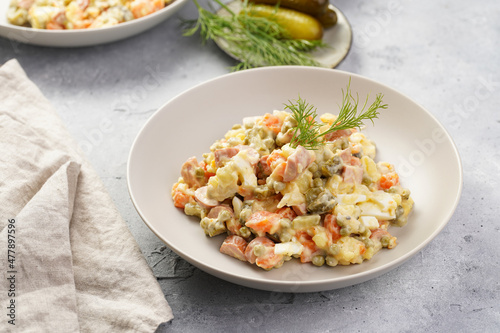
column 298, row 25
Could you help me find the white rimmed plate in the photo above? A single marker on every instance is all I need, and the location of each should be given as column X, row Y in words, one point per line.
column 406, row 135
column 338, row 38
column 84, row 37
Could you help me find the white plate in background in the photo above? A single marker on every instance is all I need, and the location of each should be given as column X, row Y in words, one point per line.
column 406, row 135
column 83, row 37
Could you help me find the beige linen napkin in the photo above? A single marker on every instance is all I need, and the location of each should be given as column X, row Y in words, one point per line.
column 73, row 264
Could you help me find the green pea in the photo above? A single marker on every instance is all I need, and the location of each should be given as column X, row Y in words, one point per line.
column 245, row 232
column 345, row 231
column 259, row 250
column 367, row 180
column 331, row 261
column 199, row 173
column 318, row 260
column 313, row 167
column 385, row 241
column 399, row 211
column 367, row 241
column 262, row 192
column 318, row 182
column 333, row 249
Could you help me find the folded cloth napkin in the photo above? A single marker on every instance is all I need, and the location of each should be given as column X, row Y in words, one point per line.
column 69, row 262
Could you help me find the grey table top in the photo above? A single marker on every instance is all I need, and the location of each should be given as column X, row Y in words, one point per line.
column 442, row 53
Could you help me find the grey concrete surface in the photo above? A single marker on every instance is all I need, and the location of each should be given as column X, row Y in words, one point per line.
column 442, row 53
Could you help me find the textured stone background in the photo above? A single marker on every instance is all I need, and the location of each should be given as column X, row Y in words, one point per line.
column 442, row 53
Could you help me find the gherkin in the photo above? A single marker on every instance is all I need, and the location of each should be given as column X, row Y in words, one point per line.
column 319, row 200
column 332, row 167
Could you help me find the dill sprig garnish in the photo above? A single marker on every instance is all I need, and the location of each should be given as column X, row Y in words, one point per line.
column 307, row 134
column 255, row 41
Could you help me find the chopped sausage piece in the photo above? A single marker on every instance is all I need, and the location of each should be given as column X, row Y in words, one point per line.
column 260, row 251
column 251, row 155
column 201, row 197
column 384, row 237
column 215, row 212
column 353, row 174
column 355, row 161
column 264, row 168
column 224, row 155
column 234, row 246
column 296, row 163
column 190, row 175
column 345, row 155
column 378, row 233
column 232, row 223
column 286, row 213
column 300, row 209
column 338, row 134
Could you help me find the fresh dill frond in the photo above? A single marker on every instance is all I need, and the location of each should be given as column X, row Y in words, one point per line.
column 255, row 41
column 306, row 131
column 210, row 25
column 307, row 134
column 348, row 115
